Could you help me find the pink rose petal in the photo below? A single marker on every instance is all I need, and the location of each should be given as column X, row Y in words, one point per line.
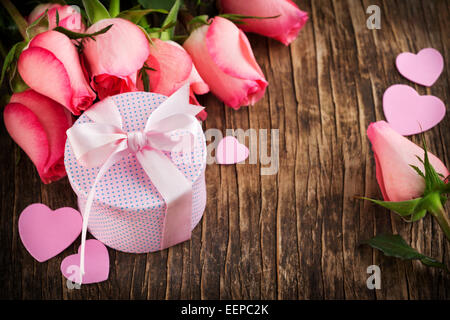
column 223, row 41
column 198, row 85
column 27, row 131
column 44, row 73
column 53, row 119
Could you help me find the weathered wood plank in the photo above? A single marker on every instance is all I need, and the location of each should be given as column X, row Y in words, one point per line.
column 308, row 166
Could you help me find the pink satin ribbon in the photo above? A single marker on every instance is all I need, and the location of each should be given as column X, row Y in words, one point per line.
column 103, row 142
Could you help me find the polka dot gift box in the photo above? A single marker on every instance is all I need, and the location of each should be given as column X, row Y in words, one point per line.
column 141, row 157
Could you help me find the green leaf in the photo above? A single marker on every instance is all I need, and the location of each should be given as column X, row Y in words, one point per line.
column 76, row 35
column 238, row 18
column 10, row 59
column 419, row 214
column 419, row 158
column 433, row 263
column 95, row 11
column 419, row 172
column 38, row 26
column 171, row 19
column 403, row 208
column 114, row 8
column 16, row 83
column 145, row 78
column 432, row 180
column 197, row 22
column 394, row 245
column 162, row 29
column 157, row 4
column 136, row 15
column 233, row 16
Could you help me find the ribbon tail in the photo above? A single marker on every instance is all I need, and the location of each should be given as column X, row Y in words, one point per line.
column 176, row 191
column 90, row 198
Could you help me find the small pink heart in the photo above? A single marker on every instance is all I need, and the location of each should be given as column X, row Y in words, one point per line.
column 423, row 68
column 410, row 113
column 96, row 264
column 230, row 151
column 45, row 233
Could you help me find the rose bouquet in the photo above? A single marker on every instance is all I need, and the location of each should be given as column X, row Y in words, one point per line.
column 73, row 56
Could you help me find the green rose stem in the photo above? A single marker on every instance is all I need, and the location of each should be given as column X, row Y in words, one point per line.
column 443, row 221
column 17, row 17
column 438, row 212
column 114, row 8
column 144, row 23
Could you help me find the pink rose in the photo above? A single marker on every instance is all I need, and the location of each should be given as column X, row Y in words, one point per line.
column 172, row 68
column 224, row 59
column 284, row 28
column 51, row 66
column 69, row 16
column 38, row 125
column 393, row 156
column 202, row 115
column 114, row 58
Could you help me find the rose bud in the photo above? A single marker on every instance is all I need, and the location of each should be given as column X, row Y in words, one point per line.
column 38, row 125
column 224, row 59
column 394, row 154
column 283, row 28
column 69, row 16
column 170, row 68
column 114, row 58
column 51, row 66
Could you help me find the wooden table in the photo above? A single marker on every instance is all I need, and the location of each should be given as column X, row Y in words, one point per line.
column 295, row 234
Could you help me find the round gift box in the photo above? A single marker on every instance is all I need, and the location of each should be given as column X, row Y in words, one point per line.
column 128, row 212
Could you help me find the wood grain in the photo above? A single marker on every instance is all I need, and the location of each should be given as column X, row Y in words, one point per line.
column 295, row 234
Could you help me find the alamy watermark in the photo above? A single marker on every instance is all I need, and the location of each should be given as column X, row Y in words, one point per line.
column 374, row 20
column 74, row 280
column 258, row 146
column 374, row 281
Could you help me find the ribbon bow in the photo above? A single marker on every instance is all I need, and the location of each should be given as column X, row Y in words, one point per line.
column 104, row 142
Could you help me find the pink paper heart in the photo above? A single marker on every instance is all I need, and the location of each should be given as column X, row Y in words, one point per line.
column 423, row 68
column 410, row 113
column 45, row 233
column 96, row 264
column 230, row 151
